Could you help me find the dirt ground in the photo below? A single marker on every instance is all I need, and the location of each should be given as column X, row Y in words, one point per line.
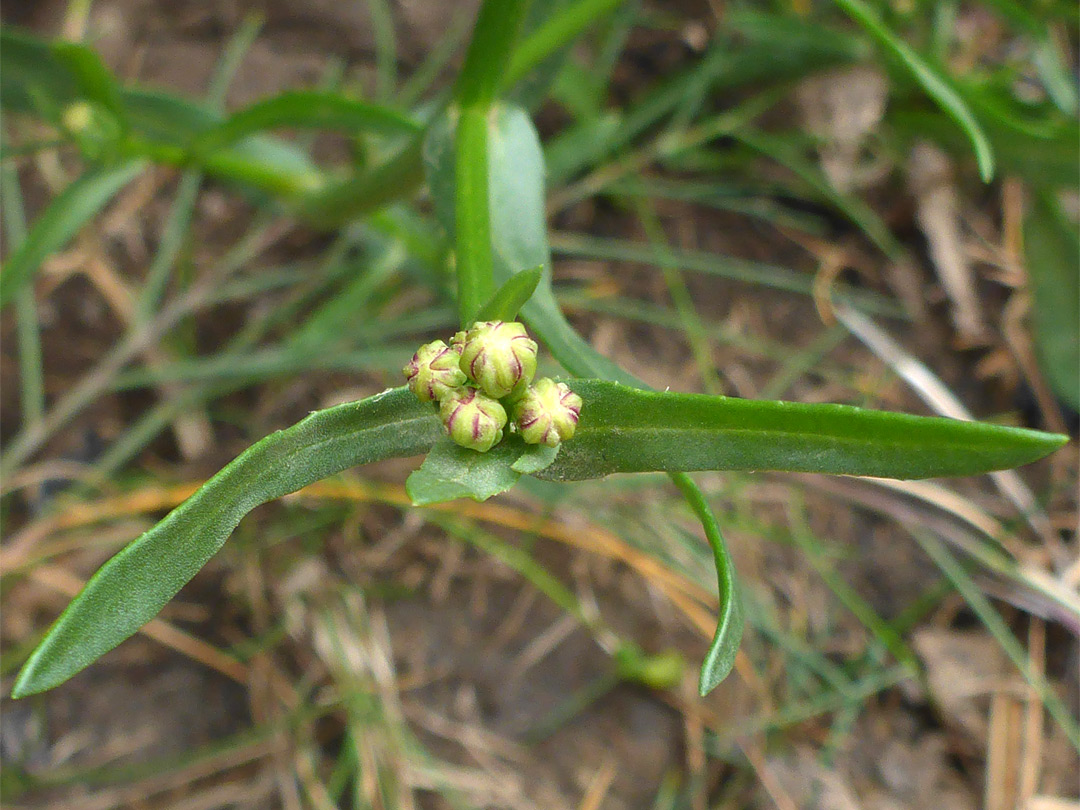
column 465, row 656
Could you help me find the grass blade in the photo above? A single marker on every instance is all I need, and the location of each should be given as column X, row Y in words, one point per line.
column 1053, row 265
column 935, row 84
column 66, row 214
column 557, row 32
column 991, row 619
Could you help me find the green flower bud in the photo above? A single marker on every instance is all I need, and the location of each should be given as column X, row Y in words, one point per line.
column 472, row 419
column 433, row 371
column 547, row 413
column 498, row 357
column 93, row 128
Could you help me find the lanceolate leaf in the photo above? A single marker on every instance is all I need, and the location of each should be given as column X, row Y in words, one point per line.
column 623, row 429
column 508, row 300
column 133, row 586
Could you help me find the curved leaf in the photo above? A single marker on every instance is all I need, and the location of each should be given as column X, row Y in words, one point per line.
column 720, row 658
column 133, row 586
column 936, row 85
column 624, row 429
column 308, row 109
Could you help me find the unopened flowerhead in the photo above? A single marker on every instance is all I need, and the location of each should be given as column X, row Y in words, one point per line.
column 547, row 413
column 499, row 357
column 473, row 419
column 434, row 371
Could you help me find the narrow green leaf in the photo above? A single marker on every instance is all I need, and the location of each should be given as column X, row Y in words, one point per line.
column 508, row 300
column 935, row 84
column 623, row 429
column 519, row 240
column 308, row 109
column 1052, row 246
column 29, row 71
column 720, row 658
column 1049, row 161
column 133, row 586
column 66, row 214
column 450, row 471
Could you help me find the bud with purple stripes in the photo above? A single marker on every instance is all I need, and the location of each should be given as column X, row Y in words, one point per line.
column 499, row 357
column 547, row 413
column 472, row 419
column 434, row 372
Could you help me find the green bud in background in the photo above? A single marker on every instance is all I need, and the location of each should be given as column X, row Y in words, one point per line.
column 92, row 127
column 547, row 413
column 499, row 357
column 661, row 671
column 433, row 371
column 472, row 419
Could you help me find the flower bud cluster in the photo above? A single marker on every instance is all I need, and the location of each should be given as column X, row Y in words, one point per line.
column 484, row 373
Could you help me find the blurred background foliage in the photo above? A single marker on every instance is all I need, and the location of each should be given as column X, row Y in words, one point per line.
column 214, row 222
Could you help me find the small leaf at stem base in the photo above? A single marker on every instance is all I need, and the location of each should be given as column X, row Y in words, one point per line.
column 450, row 471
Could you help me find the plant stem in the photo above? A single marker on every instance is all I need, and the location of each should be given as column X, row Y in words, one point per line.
column 472, row 218
column 493, row 39
column 494, row 36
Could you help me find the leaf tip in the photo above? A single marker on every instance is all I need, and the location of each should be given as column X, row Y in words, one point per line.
column 25, row 685
column 706, row 681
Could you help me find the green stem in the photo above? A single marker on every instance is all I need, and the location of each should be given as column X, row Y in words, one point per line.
column 494, row 36
column 493, row 39
column 343, row 200
column 228, row 165
column 472, row 217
